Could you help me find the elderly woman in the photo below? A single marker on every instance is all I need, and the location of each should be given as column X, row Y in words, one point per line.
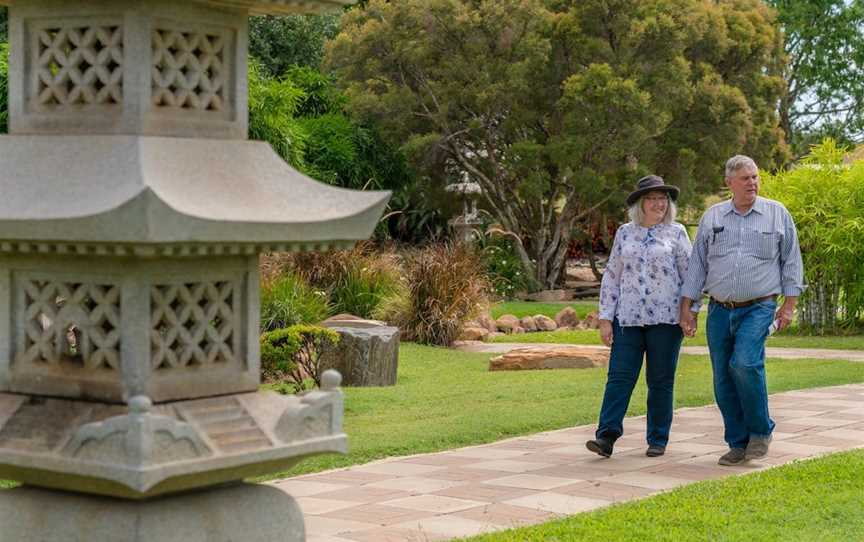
column 639, row 299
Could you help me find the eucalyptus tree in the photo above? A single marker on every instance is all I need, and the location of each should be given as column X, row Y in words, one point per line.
column 824, row 41
column 555, row 107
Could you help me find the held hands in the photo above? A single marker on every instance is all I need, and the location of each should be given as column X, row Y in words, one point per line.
column 687, row 321
column 605, row 328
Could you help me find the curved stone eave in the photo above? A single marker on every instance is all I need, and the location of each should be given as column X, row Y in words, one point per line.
column 146, row 219
column 129, row 189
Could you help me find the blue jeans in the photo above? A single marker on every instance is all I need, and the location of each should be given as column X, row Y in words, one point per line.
column 736, row 340
column 659, row 345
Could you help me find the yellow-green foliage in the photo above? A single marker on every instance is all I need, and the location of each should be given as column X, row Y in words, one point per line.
column 826, row 199
column 291, row 354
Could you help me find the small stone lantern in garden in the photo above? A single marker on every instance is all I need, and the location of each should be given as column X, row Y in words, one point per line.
column 132, row 214
column 466, row 224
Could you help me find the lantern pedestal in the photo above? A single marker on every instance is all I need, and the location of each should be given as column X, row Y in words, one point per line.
column 242, row 512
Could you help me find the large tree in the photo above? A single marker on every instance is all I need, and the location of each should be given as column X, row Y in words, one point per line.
column 824, row 40
column 556, row 107
column 296, row 40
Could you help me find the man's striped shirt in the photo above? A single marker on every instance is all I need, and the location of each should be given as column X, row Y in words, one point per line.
column 739, row 257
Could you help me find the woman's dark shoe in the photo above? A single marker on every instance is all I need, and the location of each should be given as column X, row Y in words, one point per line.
column 655, row 450
column 600, row 446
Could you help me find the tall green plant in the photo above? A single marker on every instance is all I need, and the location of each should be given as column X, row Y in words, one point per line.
column 826, row 198
column 273, row 106
column 288, row 300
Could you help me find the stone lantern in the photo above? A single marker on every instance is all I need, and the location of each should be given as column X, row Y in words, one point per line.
column 132, row 214
column 465, row 225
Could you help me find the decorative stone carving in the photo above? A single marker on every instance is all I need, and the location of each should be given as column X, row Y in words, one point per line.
column 136, row 439
column 189, row 69
column 132, row 214
column 192, row 324
column 54, row 312
column 318, row 412
column 76, row 63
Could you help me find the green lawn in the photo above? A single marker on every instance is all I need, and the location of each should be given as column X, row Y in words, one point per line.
column 533, row 308
column 819, row 499
column 786, row 339
column 446, row 399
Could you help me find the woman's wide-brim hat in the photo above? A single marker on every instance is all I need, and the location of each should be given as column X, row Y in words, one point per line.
column 651, row 183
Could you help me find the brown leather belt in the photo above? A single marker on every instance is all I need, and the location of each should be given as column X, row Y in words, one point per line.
column 742, row 304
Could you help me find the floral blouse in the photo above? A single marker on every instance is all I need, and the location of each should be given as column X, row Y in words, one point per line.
column 643, row 278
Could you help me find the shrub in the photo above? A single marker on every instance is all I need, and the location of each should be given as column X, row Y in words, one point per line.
column 288, row 300
column 503, row 268
column 446, row 288
column 356, row 280
column 826, row 198
column 292, row 354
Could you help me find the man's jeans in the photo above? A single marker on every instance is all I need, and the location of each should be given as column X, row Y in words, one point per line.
column 659, row 344
column 736, row 340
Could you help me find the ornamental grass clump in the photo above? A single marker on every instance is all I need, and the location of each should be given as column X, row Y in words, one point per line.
column 446, row 287
column 356, row 280
column 291, row 355
column 287, row 299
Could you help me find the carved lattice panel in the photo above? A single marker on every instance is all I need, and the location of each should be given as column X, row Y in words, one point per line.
column 73, row 322
column 189, row 70
column 78, row 65
column 192, row 324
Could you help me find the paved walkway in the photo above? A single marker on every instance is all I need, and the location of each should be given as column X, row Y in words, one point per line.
column 771, row 351
column 540, row 477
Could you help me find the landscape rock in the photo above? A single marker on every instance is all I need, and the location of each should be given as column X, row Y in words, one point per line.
column 508, row 323
column 473, row 333
column 551, row 357
column 365, row 356
column 544, row 323
column 567, row 317
column 486, row 320
column 528, row 323
column 592, row 320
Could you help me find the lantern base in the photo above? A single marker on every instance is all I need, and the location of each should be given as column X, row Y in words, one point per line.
column 248, row 512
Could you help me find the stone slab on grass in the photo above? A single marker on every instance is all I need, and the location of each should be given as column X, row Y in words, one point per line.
column 550, row 357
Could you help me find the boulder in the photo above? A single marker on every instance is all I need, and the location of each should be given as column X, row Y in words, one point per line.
column 567, row 317
column 507, row 323
column 486, row 320
column 544, row 323
column 527, row 323
column 551, row 357
column 365, row 356
column 473, row 333
column 591, row 321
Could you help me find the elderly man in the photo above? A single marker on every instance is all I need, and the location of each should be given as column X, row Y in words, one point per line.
column 746, row 254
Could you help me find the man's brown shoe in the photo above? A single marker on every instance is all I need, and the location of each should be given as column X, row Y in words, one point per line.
column 757, row 447
column 655, row 450
column 735, row 456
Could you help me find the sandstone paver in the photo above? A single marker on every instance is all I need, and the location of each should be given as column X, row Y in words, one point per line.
column 525, row 480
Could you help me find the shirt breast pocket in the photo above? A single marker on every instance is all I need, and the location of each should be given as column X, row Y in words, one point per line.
column 763, row 244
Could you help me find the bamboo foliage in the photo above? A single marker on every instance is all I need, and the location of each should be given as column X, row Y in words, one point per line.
column 826, row 199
